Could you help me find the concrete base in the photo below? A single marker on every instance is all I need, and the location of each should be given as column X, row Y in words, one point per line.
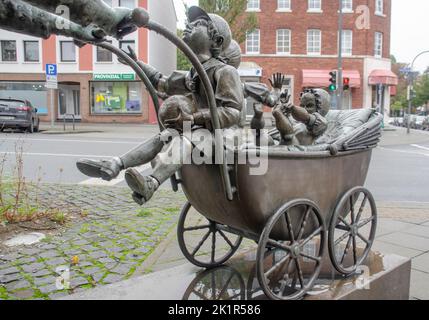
column 387, row 277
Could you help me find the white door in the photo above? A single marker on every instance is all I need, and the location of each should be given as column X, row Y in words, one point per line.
column 69, row 101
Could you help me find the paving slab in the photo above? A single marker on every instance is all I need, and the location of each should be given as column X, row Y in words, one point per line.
column 407, row 241
column 419, row 285
column 395, row 249
column 421, row 263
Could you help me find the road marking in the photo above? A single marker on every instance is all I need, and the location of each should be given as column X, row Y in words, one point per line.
column 62, row 155
column 68, row 140
column 118, row 180
column 420, row 147
column 405, row 152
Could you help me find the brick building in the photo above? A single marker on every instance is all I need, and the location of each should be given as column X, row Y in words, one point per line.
column 93, row 85
column 300, row 39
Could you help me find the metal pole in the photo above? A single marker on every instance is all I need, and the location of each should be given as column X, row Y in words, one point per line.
column 410, row 87
column 52, row 108
column 340, row 58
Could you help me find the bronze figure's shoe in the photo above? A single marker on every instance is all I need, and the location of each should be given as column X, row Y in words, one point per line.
column 138, row 199
column 104, row 169
column 143, row 187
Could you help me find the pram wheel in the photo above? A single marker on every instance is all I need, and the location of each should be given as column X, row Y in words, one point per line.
column 202, row 242
column 291, row 268
column 351, row 232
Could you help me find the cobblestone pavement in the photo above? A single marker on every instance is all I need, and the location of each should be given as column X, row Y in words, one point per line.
column 111, row 243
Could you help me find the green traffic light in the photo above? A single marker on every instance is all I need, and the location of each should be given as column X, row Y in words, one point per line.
column 332, row 87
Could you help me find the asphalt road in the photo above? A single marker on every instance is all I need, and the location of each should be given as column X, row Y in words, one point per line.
column 398, row 172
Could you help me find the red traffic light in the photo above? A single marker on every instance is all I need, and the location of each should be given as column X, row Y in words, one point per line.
column 346, row 83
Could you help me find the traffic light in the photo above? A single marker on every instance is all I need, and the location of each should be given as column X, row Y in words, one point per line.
column 346, row 83
column 333, row 81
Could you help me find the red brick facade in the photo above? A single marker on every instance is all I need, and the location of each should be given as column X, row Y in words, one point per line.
column 298, row 21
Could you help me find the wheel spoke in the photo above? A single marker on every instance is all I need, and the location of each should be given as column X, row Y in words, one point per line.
column 214, row 246
column 343, row 221
column 340, row 239
column 226, row 238
column 346, row 250
column 299, row 272
column 317, row 259
column 225, row 287
column 278, row 245
column 314, row 234
column 354, row 250
column 304, row 223
column 289, row 226
column 196, row 228
column 200, row 244
column 352, row 210
column 277, row 265
column 363, row 239
column 365, row 222
column 362, row 207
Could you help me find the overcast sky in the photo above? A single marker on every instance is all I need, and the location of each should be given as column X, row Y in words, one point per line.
column 410, row 29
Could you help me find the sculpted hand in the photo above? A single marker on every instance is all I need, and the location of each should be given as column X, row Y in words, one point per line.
column 178, row 122
column 277, row 81
column 131, row 53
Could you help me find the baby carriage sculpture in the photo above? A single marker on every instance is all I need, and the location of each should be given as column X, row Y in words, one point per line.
column 312, row 197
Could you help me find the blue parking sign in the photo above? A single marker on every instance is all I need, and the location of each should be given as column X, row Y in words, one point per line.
column 51, row 70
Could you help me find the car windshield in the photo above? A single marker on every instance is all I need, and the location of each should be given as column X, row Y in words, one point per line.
column 11, row 103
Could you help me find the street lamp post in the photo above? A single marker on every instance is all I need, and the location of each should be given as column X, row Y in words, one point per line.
column 340, row 58
column 410, row 88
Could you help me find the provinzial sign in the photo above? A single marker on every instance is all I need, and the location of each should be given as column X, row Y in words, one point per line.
column 114, row 77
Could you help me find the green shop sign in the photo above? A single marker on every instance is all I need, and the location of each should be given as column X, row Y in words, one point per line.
column 114, row 77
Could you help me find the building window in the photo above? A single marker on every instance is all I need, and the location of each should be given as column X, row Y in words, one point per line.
column 283, row 41
column 120, row 97
column 347, row 42
column 8, row 51
column 104, row 55
column 283, row 5
column 379, row 6
column 253, row 5
column 31, row 51
column 67, row 51
column 130, row 4
column 314, row 42
column 124, row 44
column 252, row 42
column 347, row 5
column 314, row 5
column 378, row 47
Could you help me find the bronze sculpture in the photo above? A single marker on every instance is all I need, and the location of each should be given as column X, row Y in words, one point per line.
column 283, row 210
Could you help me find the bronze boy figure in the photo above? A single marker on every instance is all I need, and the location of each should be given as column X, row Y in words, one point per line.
column 208, row 35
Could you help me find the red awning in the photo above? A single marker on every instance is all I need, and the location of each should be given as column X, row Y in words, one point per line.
column 383, row 77
column 320, row 78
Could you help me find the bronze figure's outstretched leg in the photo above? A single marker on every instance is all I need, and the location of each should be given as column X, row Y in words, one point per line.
column 166, row 164
column 109, row 169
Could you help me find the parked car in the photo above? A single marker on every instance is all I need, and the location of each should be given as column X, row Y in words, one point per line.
column 419, row 122
column 18, row 114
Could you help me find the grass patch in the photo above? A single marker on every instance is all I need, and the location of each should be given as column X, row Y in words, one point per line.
column 144, row 213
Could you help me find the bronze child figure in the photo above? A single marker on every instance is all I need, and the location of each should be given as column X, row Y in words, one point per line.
column 208, row 35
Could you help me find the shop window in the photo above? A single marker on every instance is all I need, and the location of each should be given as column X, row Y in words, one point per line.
column 120, row 97
column 35, row 92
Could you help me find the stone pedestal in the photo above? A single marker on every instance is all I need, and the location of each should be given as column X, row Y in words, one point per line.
column 385, row 277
